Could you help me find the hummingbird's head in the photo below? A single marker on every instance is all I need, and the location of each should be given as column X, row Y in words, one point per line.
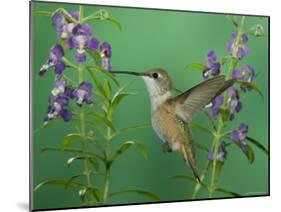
column 158, row 83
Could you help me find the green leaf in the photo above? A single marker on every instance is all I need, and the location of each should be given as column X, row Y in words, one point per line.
column 96, row 81
column 104, row 72
column 251, row 86
column 43, row 13
column 107, row 89
column 189, row 178
column 58, row 182
column 92, row 159
column 232, row 20
column 95, row 55
column 249, row 153
column 72, row 150
column 149, row 195
column 228, row 192
column 225, row 114
column 257, row 144
column 218, row 170
column 115, row 22
column 72, row 179
column 139, row 126
column 69, row 139
column 117, row 99
column 202, row 147
column 200, row 127
column 126, row 146
column 211, row 121
column 197, row 66
column 101, row 118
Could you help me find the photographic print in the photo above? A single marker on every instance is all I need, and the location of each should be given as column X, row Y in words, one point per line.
column 136, row 105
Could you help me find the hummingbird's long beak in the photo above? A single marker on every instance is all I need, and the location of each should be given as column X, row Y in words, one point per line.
column 130, row 72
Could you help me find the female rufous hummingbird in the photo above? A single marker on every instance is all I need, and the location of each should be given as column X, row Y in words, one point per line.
column 170, row 115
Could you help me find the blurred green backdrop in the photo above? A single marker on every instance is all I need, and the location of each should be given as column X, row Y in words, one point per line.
column 150, row 38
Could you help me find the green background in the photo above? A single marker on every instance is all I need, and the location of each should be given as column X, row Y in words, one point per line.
column 150, row 38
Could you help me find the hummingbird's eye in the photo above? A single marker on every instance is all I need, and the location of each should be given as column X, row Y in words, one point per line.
column 155, row 75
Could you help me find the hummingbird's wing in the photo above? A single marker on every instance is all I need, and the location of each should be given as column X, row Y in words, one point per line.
column 195, row 99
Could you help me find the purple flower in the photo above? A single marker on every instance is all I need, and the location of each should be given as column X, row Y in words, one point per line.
column 60, row 87
column 212, row 67
column 54, row 60
column 221, row 155
column 57, row 108
column 238, row 48
column 83, row 94
column 81, row 40
column 106, row 54
column 218, row 101
column 240, row 135
column 233, row 102
column 247, row 74
column 63, row 27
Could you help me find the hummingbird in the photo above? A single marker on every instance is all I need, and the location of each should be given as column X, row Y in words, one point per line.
column 170, row 115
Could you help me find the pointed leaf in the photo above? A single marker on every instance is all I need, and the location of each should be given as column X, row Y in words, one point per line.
column 197, row 66
column 104, row 72
column 107, row 89
column 115, row 22
column 251, row 86
column 69, row 139
column 96, row 81
column 95, row 55
column 257, row 144
column 72, row 150
column 139, row 126
column 58, row 182
column 150, row 195
column 103, row 119
column 228, row 192
column 126, row 146
column 43, row 13
column 117, row 99
column 200, row 127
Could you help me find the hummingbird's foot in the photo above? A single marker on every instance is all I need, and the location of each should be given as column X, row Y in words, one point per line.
column 166, row 148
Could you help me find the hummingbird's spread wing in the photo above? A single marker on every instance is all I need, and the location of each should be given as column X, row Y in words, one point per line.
column 195, row 99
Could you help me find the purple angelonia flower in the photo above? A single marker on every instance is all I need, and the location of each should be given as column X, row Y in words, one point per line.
column 221, row 155
column 54, row 60
column 81, row 40
column 218, row 101
column 247, row 74
column 63, row 27
column 239, row 135
column 233, row 102
column 212, row 67
column 60, row 87
column 106, row 54
column 57, row 108
column 83, row 94
column 238, row 48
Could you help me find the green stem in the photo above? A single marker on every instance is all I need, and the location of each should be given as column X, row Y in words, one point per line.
column 107, row 159
column 84, row 141
column 202, row 177
column 216, row 149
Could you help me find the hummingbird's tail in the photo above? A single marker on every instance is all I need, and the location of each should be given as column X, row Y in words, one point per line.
column 188, row 154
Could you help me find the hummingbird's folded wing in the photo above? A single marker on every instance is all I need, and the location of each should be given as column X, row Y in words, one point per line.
column 195, row 99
